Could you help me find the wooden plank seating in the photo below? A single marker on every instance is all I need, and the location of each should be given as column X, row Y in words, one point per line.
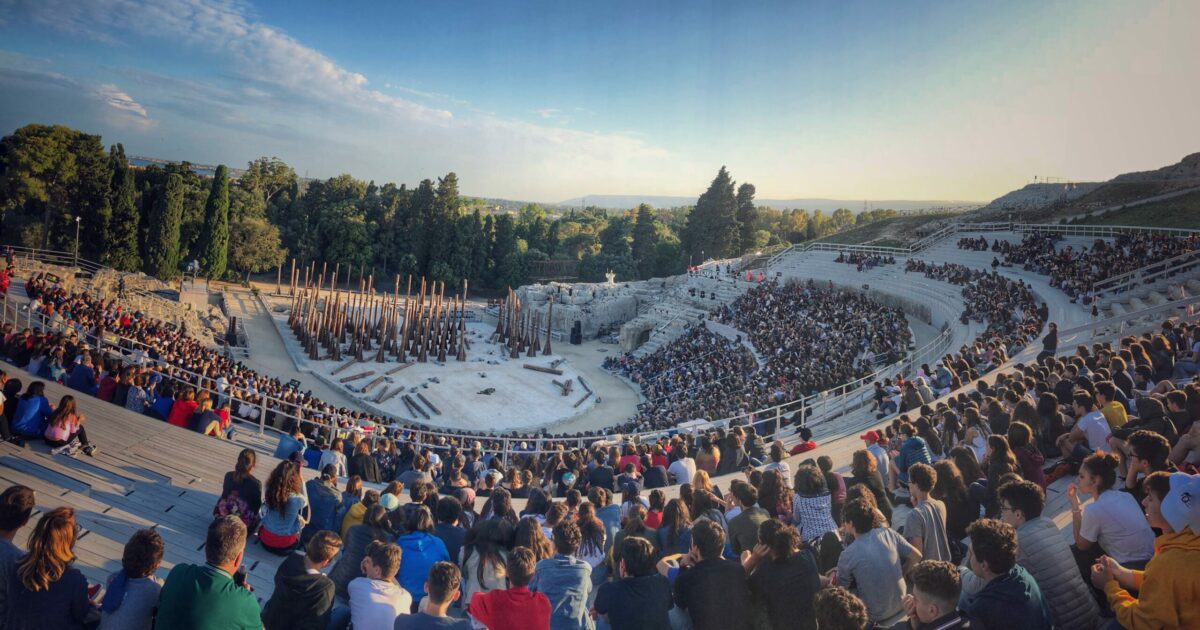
column 146, row 473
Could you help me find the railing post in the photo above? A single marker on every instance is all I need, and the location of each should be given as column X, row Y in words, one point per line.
column 778, row 418
column 262, row 416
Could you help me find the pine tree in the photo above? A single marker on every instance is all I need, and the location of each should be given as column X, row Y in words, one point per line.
column 645, row 241
column 215, row 235
column 162, row 243
column 711, row 230
column 122, row 235
column 746, row 215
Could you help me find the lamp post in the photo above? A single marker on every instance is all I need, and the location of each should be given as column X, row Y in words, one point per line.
column 77, row 221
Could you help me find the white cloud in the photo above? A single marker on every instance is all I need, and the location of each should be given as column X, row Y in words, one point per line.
column 548, row 112
column 119, row 100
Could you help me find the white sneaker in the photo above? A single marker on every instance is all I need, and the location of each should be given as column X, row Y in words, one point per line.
column 59, row 450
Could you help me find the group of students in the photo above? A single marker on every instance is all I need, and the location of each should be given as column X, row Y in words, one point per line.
column 1076, row 271
column 28, row 415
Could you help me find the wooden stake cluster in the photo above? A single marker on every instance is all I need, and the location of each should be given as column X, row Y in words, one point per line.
column 520, row 329
column 366, row 325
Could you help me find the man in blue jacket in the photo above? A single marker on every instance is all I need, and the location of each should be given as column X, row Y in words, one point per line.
column 1010, row 597
column 566, row 581
column 913, row 450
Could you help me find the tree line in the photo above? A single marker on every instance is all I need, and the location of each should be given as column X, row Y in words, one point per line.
column 155, row 218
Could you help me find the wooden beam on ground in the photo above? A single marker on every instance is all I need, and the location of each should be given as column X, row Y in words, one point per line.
column 538, row 368
column 379, row 397
column 372, row 384
column 357, row 376
column 586, row 387
column 415, row 406
column 392, row 394
column 429, row 404
column 580, row 401
column 343, row 367
column 398, row 368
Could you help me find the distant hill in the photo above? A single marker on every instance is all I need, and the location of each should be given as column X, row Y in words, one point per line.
column 1046, row 202
column 825, row 205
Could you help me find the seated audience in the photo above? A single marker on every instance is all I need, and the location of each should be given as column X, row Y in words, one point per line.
column 1168, row 590
column 303, row 595
column 1010, row 597
column 874, row 564
column 442, row 586
column 375, row 598
column 566, row 581
column 712, row 590
column 933, row 602
column 214, row 596
column 1045, row 555
column 640, row 597
column 515, row 607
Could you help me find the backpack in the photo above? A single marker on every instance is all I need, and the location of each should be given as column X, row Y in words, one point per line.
column 234, row 504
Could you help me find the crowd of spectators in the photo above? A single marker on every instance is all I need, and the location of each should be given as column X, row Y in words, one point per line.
column 1006, row 305
column 811, row 338
column 1075, row 271
column 865, row 262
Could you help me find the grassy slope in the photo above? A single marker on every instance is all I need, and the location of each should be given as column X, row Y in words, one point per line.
column 894, row 232
column 1179, row 212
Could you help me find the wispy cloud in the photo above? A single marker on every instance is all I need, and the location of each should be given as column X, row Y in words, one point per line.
column 115, row 98
column 548, row 112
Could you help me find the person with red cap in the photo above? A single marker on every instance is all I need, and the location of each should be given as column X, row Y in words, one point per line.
column 873, row 439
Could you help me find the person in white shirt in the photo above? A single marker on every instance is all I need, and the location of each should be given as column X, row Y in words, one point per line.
column 1090, row 432
column 376, row 599
column 683, row 469
column 882, row 460
column 1113, row 523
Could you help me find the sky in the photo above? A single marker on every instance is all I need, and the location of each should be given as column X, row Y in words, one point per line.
column 546, row 101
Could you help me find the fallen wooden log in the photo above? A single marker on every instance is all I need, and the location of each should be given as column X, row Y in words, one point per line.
column 567, row 387
column 357, row 376
column 538, row 368
column 425, row 400
column 379, row 397
column 342, row 367
column 415, row 406
column 393, row 394
column 586, row 387
column 580, row 401
column 398, row 368
column 372, row 384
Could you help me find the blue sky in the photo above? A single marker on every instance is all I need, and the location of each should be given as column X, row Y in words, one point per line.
column 545, row 101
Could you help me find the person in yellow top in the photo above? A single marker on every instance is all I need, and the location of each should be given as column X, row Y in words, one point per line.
column 1114, row 412
column 1169, row 589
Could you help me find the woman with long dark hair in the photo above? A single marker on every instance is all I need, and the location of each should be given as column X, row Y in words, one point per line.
column 675, row 533
column 283, row 520
column 591, row 547
column 483, row 557
column 65, row 428
column 1000, row 461
column 964, row 458
column 529, row 534
column 961, row 509
column 1050, row 423
column 864, row 471
column 499, row 506
column 45, row 591
column 241, row 491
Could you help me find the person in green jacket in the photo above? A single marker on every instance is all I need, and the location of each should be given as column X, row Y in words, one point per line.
column 209, row 597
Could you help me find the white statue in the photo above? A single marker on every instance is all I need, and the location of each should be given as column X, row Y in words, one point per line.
column 611, row 278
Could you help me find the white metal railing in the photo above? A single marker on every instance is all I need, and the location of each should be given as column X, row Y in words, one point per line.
column 1118, row 323
column 1150, row 273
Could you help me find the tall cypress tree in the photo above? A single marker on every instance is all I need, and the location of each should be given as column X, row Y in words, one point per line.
column 645, row 240
column 745, row 216
column 215, row 235
column 162, row 242
column 122, row 233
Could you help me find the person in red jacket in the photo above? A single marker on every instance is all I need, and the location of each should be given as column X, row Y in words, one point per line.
column 514, row 608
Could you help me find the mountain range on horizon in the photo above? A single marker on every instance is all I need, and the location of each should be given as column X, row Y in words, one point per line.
column 824, row 205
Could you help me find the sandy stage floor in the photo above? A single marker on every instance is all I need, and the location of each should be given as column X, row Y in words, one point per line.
column 515, row 398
